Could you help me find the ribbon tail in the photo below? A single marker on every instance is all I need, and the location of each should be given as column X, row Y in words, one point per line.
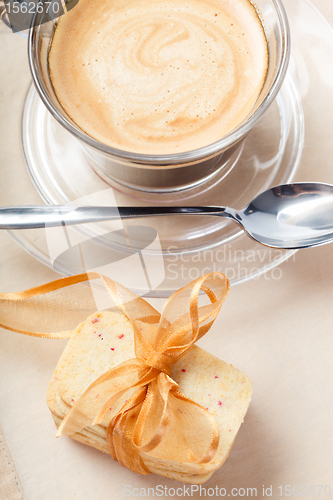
column 162, row 422
column 211, row 425
column 173, row 427
column 144, row 417
column 154, row 418
column 121, row 432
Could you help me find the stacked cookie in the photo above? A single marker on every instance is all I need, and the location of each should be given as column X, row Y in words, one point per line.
column 104, row 341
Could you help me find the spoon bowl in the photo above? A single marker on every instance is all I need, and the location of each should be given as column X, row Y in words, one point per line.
column 290, row 216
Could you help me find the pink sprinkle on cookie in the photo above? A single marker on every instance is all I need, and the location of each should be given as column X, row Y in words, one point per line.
column 72, row 400
column 121, row 336
column 95, row 320
column 112, row 348
column 220, row 403
column 183, row 370
column 216, row 376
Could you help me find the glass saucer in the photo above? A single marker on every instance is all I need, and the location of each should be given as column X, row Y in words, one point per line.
column 173, row 251
column 61, row 174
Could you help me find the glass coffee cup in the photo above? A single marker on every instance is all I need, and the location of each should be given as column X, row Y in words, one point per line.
column 171, row 172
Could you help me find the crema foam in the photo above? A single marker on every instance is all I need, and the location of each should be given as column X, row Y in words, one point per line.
column 159, row 77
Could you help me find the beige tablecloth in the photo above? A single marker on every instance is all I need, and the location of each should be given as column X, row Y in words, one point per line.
column 277, row 329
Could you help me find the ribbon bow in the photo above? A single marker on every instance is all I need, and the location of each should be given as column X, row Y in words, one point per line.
column 157, row 419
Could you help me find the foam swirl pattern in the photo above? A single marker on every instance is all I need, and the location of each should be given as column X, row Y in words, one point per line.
column 159, row 77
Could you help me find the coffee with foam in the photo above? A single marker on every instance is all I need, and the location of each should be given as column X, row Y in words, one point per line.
column 159, row 77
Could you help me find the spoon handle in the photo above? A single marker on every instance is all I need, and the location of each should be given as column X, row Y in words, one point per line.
column 40, row 216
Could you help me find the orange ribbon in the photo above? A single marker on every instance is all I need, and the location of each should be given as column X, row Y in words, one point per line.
column 157, row 420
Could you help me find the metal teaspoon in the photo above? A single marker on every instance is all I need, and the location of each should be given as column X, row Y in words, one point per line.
column 294, row 216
